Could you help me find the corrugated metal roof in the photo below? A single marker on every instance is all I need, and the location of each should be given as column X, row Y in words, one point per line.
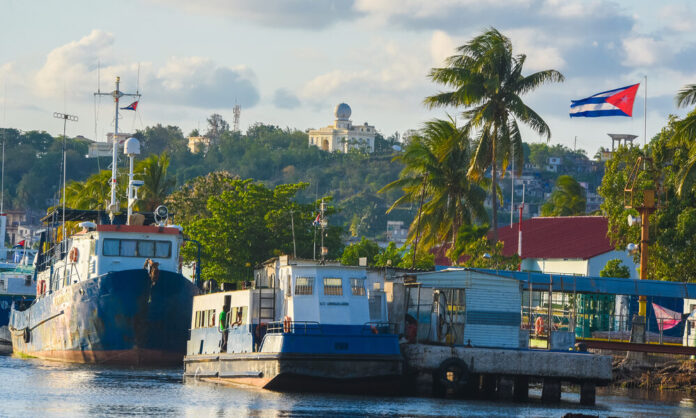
column 558, row 237
column 602, row 285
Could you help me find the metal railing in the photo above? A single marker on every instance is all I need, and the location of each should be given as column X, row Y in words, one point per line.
column 605, row 327
column 293, row 327
column 377, row 327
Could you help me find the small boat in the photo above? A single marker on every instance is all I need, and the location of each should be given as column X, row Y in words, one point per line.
column 304, row 326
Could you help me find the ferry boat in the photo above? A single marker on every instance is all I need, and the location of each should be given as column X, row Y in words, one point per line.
column 113, row 293
column 303, row 326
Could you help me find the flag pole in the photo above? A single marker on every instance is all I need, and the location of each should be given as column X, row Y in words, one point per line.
column 645, row 113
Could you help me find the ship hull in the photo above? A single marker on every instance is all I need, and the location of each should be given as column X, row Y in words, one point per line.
column 359, row 374
column 118, row 318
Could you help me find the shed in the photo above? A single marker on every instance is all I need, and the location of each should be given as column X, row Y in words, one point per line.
column 469, row 307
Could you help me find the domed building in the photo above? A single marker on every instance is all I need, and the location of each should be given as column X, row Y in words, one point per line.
column 342, row 136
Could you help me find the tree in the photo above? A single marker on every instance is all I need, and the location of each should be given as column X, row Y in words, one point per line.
column 567, row 199
column 488, row 82
column 365, row 248
column 483, row 253
column 216, row 127
column 468, row 234
column 685, row 135
column 156, row 186
column 435, row 163
column 191, row 200
column 614, row 268
column 389, row 256
column 424, row 259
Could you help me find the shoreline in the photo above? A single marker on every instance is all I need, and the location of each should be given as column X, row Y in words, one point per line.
column 668, row 375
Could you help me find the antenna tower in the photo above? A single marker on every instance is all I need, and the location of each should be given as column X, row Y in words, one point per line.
column 237, row 110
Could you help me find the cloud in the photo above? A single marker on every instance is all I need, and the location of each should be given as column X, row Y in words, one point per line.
column 182, row 81
column 199, row 82
column 441, row 46
column 644, row 51
column 304, row 14
column 285, row 99
column 678, row 18
column 67, row 65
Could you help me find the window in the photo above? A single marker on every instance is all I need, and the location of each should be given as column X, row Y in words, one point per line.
column 128, row 247
column 333, row 286
column 110, row 247
column 357, row 286
column 137, row 248
column 304, row 286
column 146, row 248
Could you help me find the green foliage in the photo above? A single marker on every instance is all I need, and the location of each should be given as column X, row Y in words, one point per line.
column 364, row 248
column 389, row 256
column 468, row 234
column 487, row 80
column 249, row 223
column 567, row 199
column 672, row 226
column 482, row 253
column 435, row 164
column 615, row 268
column 424, row 259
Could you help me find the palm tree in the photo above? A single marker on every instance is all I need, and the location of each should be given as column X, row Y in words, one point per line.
column 156, row 187
column 684, row 135
column 568, row 199
column 92, row 193
column 435, row 165
column 487, row 80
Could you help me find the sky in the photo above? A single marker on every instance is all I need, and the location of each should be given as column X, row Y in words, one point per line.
column 289, row 62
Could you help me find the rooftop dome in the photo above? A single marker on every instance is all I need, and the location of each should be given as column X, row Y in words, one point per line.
column 342, row 111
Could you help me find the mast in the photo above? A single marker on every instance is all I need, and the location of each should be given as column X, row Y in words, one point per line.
column 65, row 118
column 116, row 94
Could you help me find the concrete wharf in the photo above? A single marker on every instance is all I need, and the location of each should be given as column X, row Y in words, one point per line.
column 504, row 373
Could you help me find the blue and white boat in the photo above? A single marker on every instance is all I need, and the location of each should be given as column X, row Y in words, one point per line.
column 112, row 293
column 304, row 326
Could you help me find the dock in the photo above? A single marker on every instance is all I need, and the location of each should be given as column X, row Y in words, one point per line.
column 504, row 373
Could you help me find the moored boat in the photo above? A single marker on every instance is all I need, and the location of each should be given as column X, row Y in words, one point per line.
column 307, row 328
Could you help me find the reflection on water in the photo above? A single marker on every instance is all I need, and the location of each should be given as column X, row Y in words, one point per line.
column 31, row 388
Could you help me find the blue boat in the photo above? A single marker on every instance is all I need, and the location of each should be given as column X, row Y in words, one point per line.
column 111, row 294
column 303, row 326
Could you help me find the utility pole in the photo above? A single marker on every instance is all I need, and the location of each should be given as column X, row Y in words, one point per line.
column 116, row 95
column 292, row 225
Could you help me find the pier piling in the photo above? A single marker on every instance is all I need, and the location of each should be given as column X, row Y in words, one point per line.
column 551, row 392
column 521, row 388
column 588, row 392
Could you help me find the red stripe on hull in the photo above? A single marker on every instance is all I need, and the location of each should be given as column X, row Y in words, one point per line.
column 132, row 357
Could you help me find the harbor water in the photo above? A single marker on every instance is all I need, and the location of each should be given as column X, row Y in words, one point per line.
column 31, row 388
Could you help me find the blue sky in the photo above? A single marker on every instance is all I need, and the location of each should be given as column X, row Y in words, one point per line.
column 289, row 62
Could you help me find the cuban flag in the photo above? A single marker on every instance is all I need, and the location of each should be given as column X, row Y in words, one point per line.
column 618, row 102
column 132, row 106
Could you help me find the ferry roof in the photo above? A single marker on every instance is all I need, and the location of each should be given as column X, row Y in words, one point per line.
column 600, row 285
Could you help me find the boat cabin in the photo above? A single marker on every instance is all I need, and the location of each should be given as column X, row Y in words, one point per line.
column 297, row 297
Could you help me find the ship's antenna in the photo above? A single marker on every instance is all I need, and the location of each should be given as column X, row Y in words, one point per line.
column 116, row 94
column 2, row 177
column 97, row 103
column 65, row 118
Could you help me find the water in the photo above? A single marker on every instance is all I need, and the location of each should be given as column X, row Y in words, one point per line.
column 35, row 388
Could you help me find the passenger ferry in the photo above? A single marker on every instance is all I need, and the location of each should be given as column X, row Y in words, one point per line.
column 303, row 326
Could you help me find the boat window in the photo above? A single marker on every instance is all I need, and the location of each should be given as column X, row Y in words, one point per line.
column 163, row 249
column 333, row 286
column 128, row 247
column 146, row 248
column 304, row 286
column 110, row 247
column 137, row 248
column 357, row 286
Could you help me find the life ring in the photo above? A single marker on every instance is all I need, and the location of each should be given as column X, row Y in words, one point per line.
column 73, row 255
column 539, row 325
column 287, row 325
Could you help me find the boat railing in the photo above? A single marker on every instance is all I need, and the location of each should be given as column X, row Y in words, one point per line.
column 378, row 327
column 293, row 327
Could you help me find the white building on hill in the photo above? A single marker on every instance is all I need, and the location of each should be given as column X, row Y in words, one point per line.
column 342, row 136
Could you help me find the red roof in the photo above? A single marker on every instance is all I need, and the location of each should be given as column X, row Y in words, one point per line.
column 558, row 237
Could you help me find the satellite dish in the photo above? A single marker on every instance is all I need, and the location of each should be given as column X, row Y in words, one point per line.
column 632, row 220
column 631, row 248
